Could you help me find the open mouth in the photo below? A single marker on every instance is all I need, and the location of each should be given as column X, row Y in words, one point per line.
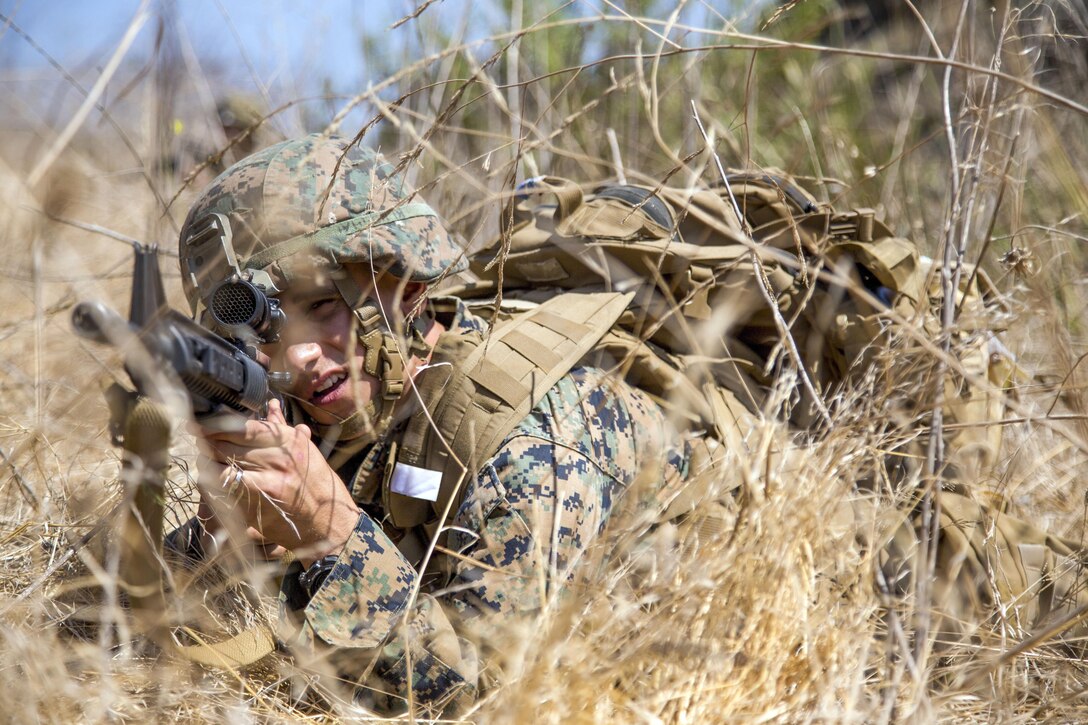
column 330, row 389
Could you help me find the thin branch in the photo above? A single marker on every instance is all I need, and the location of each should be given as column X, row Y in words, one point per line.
column 764, row 286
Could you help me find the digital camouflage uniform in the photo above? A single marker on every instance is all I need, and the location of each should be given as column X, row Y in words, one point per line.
column 528, row 518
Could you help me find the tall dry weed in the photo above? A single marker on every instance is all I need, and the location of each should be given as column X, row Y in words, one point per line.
column 963, row 125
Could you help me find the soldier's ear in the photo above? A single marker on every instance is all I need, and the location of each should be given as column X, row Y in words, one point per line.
column 413, row 293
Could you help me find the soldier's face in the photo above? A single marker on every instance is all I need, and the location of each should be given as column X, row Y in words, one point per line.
column 318, row 348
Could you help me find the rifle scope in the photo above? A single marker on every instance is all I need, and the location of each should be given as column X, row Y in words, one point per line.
column 239, row 306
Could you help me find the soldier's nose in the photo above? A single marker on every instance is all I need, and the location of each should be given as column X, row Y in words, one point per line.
column 302, row 355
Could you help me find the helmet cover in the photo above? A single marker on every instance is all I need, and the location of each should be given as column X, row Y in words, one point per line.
column 314, row 198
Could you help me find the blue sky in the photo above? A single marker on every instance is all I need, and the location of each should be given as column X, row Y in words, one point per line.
column 308, row 40
column 286, row 49
column 273, row 33
column 291, row 48
column 279, row 49
column 287, row 43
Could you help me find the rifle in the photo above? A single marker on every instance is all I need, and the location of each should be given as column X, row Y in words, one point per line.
column 221, row 375
column 222, row 379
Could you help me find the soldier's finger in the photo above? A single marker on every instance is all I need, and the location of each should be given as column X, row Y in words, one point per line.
column 248, row 459
column 255, row 434
column 275, row 413
column 234, row 483
column 211, row 470
column 265, row 548
column 224, row 480
column 220, row 424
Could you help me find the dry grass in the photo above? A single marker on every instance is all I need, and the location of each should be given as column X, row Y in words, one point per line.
column 777, row 618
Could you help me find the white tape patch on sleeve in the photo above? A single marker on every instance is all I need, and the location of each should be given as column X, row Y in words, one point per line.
column 415, row 482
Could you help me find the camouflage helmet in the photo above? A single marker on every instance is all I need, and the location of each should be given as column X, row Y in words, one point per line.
column 314, row 197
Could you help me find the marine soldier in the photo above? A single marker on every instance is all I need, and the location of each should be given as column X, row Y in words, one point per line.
column 432, row 474
column 351, row 475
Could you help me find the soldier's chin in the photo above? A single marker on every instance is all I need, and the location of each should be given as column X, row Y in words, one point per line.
column 355, row 427
column 334, row 414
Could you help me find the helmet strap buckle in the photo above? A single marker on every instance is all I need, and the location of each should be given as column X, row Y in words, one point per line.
column 382, row 358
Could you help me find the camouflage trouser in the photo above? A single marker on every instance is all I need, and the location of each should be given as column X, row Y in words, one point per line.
column 992, row 575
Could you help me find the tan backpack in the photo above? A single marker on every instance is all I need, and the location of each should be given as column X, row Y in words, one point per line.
column 671, row 288
column 794, row 286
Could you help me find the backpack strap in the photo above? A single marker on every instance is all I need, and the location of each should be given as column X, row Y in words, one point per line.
column 475, row 392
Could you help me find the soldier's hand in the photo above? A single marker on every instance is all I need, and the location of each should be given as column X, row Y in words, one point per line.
column 281, row 486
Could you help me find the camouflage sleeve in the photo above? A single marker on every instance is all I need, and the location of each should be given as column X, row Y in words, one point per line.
column 548, row 493
column 366, row 593
column 525, row 524
column 359, row 621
